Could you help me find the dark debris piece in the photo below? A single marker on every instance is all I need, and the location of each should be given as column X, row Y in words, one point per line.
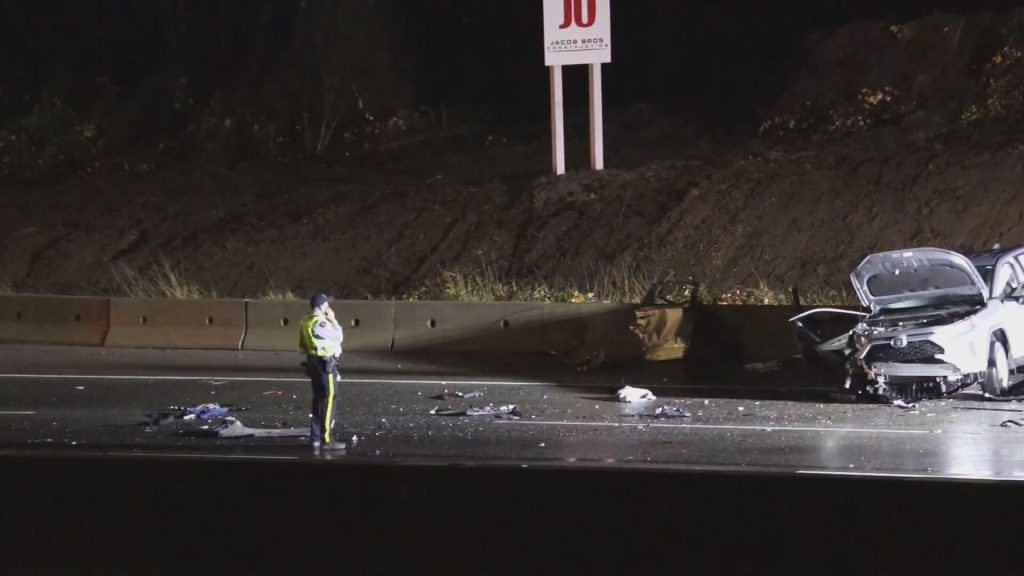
column 446, row 396
column 665, row 412
column 1012, row 424
column 160, row 418
column 509, row 411
column 200, row 412
column 992, row 398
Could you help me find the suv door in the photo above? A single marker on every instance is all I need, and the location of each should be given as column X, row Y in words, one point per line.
column 1010, row 270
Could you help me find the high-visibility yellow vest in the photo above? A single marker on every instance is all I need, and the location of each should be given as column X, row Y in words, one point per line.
column 307, row 343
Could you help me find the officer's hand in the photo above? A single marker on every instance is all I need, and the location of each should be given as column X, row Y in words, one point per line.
column 330, row 313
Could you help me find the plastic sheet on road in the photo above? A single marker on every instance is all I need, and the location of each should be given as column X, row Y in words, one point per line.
column 232, row 428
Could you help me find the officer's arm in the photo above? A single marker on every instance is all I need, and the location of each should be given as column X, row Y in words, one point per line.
column 329, row 331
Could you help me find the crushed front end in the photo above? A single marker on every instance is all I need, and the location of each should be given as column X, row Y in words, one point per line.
column 897, row 366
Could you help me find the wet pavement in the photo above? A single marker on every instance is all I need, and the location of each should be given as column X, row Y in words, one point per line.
column 93, row 402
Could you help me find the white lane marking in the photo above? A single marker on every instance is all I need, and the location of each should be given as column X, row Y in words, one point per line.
column 413, row 381
column 235, row 456
column 902, row 475
column 222, row 379
column 16, row 413
column 713, row 427
column 123, row 377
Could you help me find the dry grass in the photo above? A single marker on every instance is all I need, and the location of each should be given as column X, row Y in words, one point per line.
column 162, row 280
column 273, row 293
column 485, row 284
column 828, row 297
column 620, row 284
column 762, row 295
column 482, row 285
column 616, row 284
column 770, row 296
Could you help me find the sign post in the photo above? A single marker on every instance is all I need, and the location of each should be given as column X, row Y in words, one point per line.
column 577, row 32
column 557, row 121
column 596, row 119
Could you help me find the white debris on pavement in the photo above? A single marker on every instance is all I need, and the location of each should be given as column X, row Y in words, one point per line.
column 630, row 394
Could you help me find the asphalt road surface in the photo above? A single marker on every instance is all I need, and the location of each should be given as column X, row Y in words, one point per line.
column 770, row 473
column 79, row 401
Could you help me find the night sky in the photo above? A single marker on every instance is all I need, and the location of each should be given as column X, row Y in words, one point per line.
column 480, row 57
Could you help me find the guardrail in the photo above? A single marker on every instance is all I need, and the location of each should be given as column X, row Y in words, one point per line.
column 701, row 333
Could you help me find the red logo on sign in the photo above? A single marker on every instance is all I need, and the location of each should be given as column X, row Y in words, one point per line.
column 574, row 13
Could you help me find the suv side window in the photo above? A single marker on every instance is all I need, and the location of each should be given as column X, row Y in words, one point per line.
column 1006, row 276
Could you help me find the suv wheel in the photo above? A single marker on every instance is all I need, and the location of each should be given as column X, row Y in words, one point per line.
column 997, row 378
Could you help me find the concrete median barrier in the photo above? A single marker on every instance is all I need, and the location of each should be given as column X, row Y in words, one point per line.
column 186, row 324
column 701, row 334
column 457, row 326
column 594, row 330
column 66, row 320
column 368, row 326
column 575, row 330
column 273, row 325
column 742, row 334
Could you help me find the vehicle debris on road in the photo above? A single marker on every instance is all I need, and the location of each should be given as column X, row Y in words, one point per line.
column 233, row 428
column 631, row 394
column 209, row 411
column 446, row 395
column 1012, row 424
column 509, row 411
column 668, row 411
column 1014, row 399
column 206, row 412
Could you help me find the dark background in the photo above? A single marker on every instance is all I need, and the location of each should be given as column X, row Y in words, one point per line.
column 401, row 115
column 481, row 58
column 168, row 517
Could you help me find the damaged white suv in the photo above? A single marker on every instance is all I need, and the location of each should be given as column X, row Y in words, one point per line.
column 938, row 322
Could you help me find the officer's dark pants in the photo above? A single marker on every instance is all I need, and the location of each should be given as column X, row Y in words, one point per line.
column 323, row 375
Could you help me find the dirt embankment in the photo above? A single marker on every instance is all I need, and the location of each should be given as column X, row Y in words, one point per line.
column 781, row 216
column 857, row 159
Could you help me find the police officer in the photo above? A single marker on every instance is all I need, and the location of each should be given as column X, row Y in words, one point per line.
column 320, row 340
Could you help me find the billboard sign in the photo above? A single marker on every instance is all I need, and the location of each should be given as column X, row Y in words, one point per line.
column 577, row 32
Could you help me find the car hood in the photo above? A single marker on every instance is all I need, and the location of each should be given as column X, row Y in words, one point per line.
column 918, row 276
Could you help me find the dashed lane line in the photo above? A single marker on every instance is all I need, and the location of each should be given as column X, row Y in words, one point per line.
column 424, row 382
column 713, row 427
column 908, row 476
